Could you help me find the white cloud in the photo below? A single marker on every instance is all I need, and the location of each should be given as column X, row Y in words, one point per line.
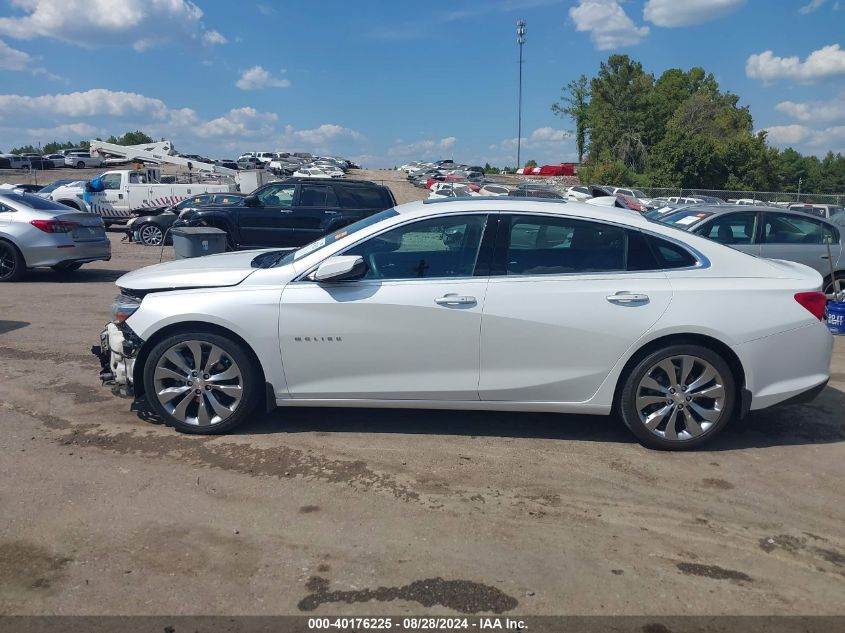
column 213, row 38
column 814, row 111
column 543, row 138
column 788, row 134
column 321, row 135
column 608, row 24
column 806, row 139
column 96, row 102
column 828, row 61
column 66, row 131
column 256, row 78
column 266, row 9
column 93, row 23
column 426, row 148
column 811, row 6
column 12, row 58
column 239, row 122
column 674, row 13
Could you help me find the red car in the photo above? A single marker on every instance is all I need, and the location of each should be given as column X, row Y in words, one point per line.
column 631, row 203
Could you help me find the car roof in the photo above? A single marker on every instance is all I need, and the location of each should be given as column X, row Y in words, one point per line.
column 518, row 205
column 721, row 209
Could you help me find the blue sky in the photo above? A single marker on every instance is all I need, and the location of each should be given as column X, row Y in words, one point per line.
column 386, row 82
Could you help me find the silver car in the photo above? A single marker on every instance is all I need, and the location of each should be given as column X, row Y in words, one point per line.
column 35, row 232
column 772, row 233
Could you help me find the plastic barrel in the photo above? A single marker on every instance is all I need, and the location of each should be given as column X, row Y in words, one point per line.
column 836, row 317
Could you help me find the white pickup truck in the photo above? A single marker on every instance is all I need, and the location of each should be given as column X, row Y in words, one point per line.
column 127, row 189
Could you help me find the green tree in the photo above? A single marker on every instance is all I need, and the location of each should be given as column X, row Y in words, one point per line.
column 619, row 97
column 531, row 163
column 130, row 138
column 574, row 103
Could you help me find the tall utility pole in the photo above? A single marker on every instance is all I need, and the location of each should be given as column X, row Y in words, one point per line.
column 520, row 39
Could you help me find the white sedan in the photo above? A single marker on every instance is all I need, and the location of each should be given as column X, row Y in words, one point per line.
column 507, row 304
column 311, row 172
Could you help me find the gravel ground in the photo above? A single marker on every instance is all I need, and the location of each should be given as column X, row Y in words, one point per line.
column 332, row 511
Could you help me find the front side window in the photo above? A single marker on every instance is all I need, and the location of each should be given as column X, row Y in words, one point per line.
column 110, row 181
column 792, row 229
column 432, row 248
column 277, row 196
column 732, row 228
column 555, row 245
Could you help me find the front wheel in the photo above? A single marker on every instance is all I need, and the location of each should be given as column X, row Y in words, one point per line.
column 201, row 383
column 150, row 234
column 80, row 165
column 678, row 397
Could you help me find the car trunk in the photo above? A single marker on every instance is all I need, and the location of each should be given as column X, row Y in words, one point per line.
column 90, row 227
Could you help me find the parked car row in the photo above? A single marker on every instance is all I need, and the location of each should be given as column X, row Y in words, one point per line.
column 300, row 164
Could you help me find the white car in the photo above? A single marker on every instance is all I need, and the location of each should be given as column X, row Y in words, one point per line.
column 494, row 190
column 510, row 304
column 578, row 193
column 82, row 159
column 310, row 172
column 450, row 190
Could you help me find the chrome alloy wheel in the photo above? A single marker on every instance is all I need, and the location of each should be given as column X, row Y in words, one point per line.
column 680, row 398
column 198, row 383
column 151, row 235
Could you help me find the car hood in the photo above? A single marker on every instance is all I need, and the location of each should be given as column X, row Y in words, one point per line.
column 211, row 271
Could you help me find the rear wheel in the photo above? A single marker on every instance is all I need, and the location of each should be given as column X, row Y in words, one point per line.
column 150, row 234
column 678, row 397
column 201, row 383
column 829, row 288
column 67, row 267
column 12, row 264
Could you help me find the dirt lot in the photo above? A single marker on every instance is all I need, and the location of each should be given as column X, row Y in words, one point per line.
column 311, row 511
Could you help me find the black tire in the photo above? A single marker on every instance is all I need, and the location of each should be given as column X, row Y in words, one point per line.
column 631, row 416
column 80, row 165
column 148, row 240
column 67, row 267
column 250, row 376
column 12, row 263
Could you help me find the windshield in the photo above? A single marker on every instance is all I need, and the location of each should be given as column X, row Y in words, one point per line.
column 685, row 218
column 282, row 258
column 54, row 185
column 638, row 194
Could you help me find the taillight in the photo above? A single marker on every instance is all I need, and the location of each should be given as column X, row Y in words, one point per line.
column 814, row 302
column 54, row 226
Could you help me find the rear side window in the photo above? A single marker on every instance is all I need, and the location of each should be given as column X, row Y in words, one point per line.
column 317, row 196
column 364, row 198
column 793, row 229
column 554, row 246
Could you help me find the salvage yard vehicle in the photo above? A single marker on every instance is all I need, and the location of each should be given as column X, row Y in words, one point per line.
column 81, row 160
column 293, row 212
column 152, row 225
column 833, row 212
column 35, row 232
column 123, row 190
column 468, row 304
column 769, row 232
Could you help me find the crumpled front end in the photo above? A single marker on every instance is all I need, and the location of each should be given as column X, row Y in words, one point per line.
column 117, row 353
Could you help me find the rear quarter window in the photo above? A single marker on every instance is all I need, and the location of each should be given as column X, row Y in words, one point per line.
column 364, row 198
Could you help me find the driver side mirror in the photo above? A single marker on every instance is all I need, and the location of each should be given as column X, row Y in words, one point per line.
column 341, row 268
column 252, row 201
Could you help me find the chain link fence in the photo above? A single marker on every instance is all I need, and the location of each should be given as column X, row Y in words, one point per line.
column 781, row 198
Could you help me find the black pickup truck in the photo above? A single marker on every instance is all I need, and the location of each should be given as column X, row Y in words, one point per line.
column 292, row 212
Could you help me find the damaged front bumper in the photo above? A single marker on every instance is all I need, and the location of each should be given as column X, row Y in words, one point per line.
column 117, row 352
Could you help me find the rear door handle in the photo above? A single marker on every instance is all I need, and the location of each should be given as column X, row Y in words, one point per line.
column 455, row 300
column 627, row 298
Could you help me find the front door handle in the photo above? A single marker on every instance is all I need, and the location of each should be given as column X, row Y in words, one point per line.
column 627, row 298
column 455, row 300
